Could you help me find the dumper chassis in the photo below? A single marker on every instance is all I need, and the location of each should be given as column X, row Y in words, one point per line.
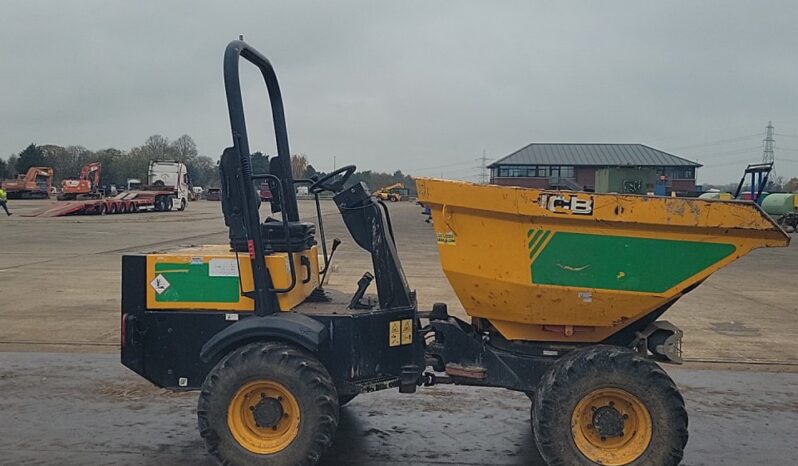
column 275, row 355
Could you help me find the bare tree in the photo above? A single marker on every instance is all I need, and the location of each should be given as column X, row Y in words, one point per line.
column 11, row 169
column 299, row 163
column 157, row 147
column 184, row 148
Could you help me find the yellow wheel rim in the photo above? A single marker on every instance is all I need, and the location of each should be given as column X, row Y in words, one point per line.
column 611, row 426
column 263, row 417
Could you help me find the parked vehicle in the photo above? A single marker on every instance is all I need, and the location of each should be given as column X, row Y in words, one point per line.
column 86, row 186
column 213, row 194
column 264, row 192
column 35, row 184
column 171, row 176
column 394, row 193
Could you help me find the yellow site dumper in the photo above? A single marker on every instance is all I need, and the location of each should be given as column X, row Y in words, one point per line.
column 580, row 267
column 582, row 278
column 564, row 291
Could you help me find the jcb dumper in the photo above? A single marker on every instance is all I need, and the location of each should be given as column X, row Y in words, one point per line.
column 564, row 291
column 35, row 184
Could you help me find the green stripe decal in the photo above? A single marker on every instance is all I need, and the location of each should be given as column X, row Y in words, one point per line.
column 539, row 244
column 534, row 238
column 622, row 263
column 192, row 283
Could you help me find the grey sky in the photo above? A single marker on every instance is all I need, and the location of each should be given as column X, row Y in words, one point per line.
column 410, row 85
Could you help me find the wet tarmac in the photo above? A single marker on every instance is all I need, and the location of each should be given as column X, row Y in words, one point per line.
column 88, row 409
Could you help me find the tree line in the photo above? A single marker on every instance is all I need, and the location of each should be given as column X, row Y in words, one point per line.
column 119, row 165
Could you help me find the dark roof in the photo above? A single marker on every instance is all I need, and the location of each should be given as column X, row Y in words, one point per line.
column 638, row 155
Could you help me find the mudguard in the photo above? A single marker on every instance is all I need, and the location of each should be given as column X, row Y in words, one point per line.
column 286, row 326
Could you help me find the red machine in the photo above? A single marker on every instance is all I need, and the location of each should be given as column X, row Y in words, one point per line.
column 264, row 192
column 85, row 187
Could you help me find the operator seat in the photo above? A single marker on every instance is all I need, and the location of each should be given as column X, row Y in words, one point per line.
column 300, row 235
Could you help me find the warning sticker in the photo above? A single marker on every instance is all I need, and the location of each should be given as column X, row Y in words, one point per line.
column 160, row 284
column 222, row 268
column 446, row 238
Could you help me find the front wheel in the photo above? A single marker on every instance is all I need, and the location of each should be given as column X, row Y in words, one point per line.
column 270, row 404
column 610, row 406
column 182, row 205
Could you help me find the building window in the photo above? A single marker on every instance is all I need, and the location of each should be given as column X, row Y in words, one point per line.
column 535, row 171
column 562, row 171
column 680, row 173
column 512, row 171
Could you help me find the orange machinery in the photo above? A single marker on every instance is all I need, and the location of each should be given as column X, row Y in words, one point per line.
column 85, row 187
column 36, row 183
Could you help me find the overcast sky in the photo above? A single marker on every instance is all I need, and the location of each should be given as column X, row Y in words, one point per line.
column 419, row 86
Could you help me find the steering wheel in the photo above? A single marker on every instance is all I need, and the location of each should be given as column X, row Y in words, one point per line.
column 325, row 183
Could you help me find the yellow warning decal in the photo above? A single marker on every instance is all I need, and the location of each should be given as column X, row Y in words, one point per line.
column 400, row 332
column 446, row 238
column 407, row 331
column 394, row 334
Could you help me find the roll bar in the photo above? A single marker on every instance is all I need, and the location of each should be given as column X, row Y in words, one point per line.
column 263, row 293
column 235, row 106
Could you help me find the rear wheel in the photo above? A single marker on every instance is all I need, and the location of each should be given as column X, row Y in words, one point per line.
column 268, row 403
column 608, row 405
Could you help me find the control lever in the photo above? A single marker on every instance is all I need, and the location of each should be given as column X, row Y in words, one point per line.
column 336, row 243
column 362, row 285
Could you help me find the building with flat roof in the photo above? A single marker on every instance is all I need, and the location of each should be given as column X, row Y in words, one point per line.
column 573, row 166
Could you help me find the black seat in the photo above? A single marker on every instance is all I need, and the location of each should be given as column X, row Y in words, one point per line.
column 300, row 238
column 300, row 234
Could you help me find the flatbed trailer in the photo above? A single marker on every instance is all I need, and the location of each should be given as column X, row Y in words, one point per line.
column 124, row 203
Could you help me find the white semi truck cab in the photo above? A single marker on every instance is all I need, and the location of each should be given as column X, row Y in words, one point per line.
column 172, row 176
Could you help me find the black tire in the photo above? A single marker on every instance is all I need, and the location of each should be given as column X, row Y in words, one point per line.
column 182, row 205
column 583, row 372
column 299, row 372
column 101, row 209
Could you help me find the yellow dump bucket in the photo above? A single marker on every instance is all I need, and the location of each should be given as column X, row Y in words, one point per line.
column 569, row 266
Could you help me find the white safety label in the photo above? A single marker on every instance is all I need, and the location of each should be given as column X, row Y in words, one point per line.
column 160, row 284
column 222, row 268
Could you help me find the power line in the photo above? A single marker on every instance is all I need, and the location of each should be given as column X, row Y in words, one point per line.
column 728, row 152
column 728, row 161
column 717, row 142
column 439, row 166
